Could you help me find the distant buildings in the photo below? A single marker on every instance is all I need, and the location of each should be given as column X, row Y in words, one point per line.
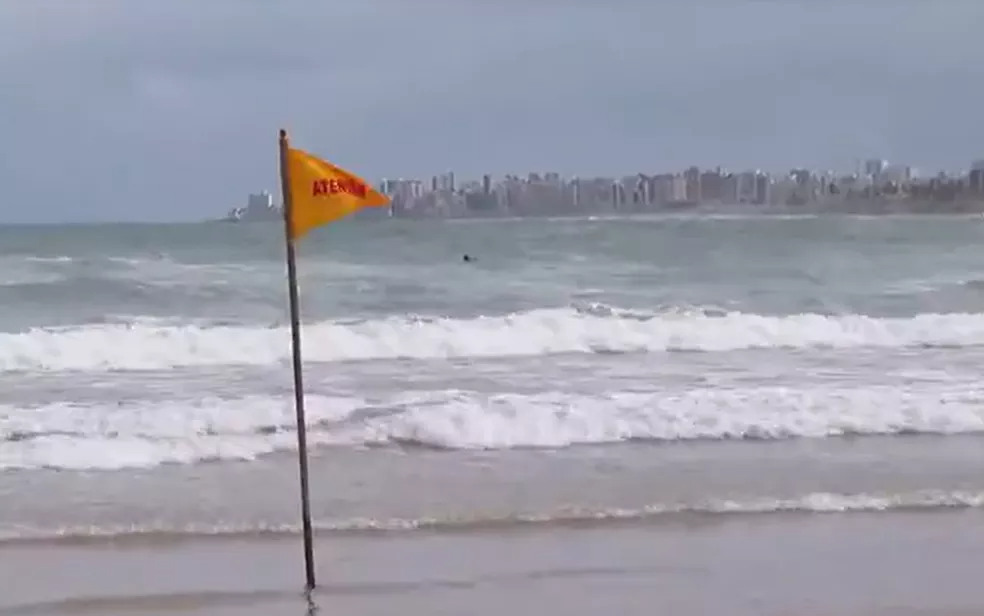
column 259, row 207
column 976, row 177
column 876, row 186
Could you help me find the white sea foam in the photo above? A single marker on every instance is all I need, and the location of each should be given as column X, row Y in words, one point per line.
column 16, row 270
column 144, row 434
column 160, row 271
column 149, row 434
column 538, row 332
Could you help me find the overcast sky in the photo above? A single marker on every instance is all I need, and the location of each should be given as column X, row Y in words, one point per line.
column 169, row 109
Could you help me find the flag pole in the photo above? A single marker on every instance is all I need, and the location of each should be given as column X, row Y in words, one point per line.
column 295, row 334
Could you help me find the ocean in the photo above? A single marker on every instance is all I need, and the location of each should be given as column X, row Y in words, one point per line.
column 714, row 414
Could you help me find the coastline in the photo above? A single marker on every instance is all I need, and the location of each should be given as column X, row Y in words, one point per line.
column 877, row 562
column 751, row 562
column 845, row 208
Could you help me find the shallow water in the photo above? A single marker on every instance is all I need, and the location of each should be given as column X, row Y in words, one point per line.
column 579, row 370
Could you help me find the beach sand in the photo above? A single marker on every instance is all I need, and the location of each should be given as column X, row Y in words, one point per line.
column 904, row 563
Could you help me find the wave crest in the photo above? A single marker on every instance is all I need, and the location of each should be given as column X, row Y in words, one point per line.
column 141, row 435
column 533, row 333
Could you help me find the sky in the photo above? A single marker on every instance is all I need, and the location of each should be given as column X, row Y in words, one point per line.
column 168, row 110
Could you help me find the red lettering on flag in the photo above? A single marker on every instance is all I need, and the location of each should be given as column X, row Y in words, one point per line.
column 335, row 186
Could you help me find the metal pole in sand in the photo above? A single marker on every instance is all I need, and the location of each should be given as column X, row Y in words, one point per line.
column 295, row 333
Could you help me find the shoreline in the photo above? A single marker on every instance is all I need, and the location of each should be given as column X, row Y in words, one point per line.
column 750, row 211
column 877, row 563
column 670, row 213
column 358, row 494
column 657, row 521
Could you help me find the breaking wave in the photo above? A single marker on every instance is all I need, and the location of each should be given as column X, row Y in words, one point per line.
column 537, row 332
column 148, row 434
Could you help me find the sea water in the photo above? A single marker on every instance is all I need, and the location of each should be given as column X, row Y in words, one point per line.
column 604, row 369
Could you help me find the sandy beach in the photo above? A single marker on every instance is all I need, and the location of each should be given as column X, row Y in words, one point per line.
column 800, row 564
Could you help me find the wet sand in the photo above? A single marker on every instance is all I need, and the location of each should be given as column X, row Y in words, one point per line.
column 783, row 564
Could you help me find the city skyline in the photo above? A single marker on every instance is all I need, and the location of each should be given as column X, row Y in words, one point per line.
column 157, row 111
column 875, row 186
column 861, row 166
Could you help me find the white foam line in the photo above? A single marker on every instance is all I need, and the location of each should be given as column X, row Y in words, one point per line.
column 142, row 435
column 538, row 332
column 816, row 503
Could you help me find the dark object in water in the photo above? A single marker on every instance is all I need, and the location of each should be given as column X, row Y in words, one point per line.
column 468, row 258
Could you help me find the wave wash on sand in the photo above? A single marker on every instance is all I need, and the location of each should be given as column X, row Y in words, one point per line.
column 814, row 503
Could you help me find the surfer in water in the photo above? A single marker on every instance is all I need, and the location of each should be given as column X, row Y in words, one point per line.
column 468, row 258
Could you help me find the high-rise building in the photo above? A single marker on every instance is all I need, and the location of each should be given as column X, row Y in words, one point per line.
column 874, row 166
column 763, row 186
column 678, row 189
column 692, row 177
column 259, row 201
column 976, row 179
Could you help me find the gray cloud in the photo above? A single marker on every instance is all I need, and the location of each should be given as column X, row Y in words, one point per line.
column 146, row 109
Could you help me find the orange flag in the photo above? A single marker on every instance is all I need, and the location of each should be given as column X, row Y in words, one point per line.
column 321, row 193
